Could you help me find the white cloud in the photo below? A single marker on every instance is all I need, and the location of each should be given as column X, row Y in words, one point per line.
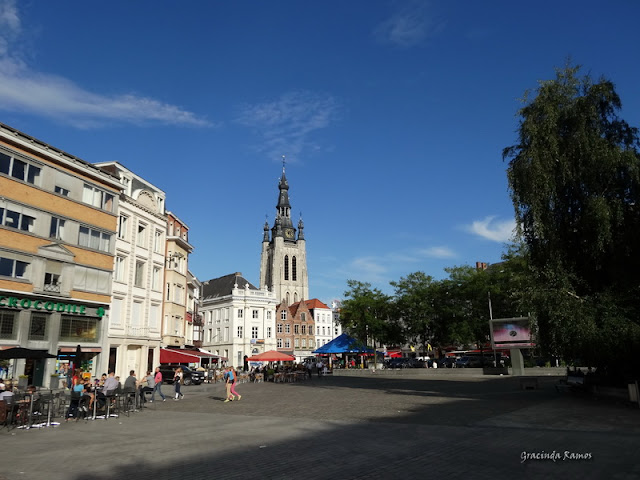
column 491, row 229
column 23, row 89
column 409, row 27
column 287, row 123
column 438, row 252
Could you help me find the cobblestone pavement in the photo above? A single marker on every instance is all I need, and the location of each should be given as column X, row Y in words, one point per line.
column 357, row 427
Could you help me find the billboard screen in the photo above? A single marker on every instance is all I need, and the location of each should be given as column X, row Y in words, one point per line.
column 511, row 333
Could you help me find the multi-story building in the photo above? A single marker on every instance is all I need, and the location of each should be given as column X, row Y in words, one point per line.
column 194, row 319
column 178, row 248
column 57, row 230
column 238, row 318
column 136, row 306
column 294, row 327
column 323, row 319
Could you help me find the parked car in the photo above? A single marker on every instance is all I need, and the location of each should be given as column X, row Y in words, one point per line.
column 404, row 362
column 474, row 361
column 447, row 362
column 189, row 376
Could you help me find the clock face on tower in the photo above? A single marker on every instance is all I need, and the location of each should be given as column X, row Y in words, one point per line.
column 288, row 233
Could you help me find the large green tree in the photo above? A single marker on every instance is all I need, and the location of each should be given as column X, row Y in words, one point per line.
column 415, row 304
column 364, row 313
column 574, row 177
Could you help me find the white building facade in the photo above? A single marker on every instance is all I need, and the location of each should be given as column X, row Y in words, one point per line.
column 134, row 331
column 238, row 318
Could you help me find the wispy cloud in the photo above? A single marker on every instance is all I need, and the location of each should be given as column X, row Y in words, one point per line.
column 23, row 89
column 438, row 252
column 496, row 230
column 286, row 124
column 412, row 25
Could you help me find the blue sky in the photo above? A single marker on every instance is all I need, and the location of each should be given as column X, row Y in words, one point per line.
column 392, row 114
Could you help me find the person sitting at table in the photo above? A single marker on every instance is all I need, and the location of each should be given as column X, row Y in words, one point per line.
column 147, row 384
column 6, row 393
column 109, row 388
column 89, row 392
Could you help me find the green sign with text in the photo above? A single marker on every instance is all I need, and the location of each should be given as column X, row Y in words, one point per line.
column 49, row 306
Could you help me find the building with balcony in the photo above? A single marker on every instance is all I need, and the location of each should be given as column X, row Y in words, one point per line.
column 238, row 318
column 57, row 241
column 178, row 248
column 134, row 331
column 194, row 319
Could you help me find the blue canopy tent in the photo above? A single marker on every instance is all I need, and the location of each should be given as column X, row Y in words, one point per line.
column 346, row 345
column 343, row 344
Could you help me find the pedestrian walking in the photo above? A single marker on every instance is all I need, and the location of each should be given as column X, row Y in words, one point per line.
column 158, row 386
column 230, row 378
column 177, row 382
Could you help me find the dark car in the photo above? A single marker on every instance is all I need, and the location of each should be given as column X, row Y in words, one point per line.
column 404, row 363
column 447, row 362
column 189, row 376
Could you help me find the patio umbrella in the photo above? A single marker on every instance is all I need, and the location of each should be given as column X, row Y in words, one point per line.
column 21, row 352
column 271, row 356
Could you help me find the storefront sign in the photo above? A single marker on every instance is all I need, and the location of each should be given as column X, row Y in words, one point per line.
column 49, row 306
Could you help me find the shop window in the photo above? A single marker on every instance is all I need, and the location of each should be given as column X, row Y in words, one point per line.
column 79, row 329
column 38, row 327
column 7, row 325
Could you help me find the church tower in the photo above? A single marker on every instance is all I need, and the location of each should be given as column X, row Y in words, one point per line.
column 283, row 265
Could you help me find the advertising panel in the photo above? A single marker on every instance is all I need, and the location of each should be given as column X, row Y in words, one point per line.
column 511, row 333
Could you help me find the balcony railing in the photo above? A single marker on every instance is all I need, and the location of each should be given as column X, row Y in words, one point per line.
column 135, row 331
column 51, row 287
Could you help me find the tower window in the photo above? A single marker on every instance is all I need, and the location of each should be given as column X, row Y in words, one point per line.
column 286, row 267
column 293, row 269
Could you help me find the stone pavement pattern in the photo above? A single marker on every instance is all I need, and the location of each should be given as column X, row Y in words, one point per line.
column 359, row 427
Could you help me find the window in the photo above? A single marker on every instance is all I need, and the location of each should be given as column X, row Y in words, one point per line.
column 57, row 228
column 296, row 343
column 286, row 267
column 79, row 328
column 94, row 239
column 52, row 282
column 240, row 313
column 254, row 332
column 91, row 279
column 318, row 330
column 303, row 317
column 141, row 237
column 157, row 242
column 268, row 332
column 304, row 343
column 115, row 312
column 97, row 198
column 7, row 324
column 304, row 329
column 254, row 314
column 178, row 294
column 269, row 315
column 240, row 331
column 226, row 334
column 38, row 327
column 156, row 279
column 18, row 169
column 123, row 224
column 287, row 328
column 13, row 268
column 279, row 343
column 296, row 329
column 279, row 327
column 139, row 273
column 217, row 337
column 287, row 343
column 294, row 273
column 17, row 220
column 62, row 191
column 283, row 315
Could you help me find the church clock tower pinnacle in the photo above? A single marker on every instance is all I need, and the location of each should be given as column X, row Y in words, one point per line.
column 283, row 265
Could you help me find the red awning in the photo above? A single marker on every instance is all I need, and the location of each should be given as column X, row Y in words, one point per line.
column 174, row 355
column 169, row 355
